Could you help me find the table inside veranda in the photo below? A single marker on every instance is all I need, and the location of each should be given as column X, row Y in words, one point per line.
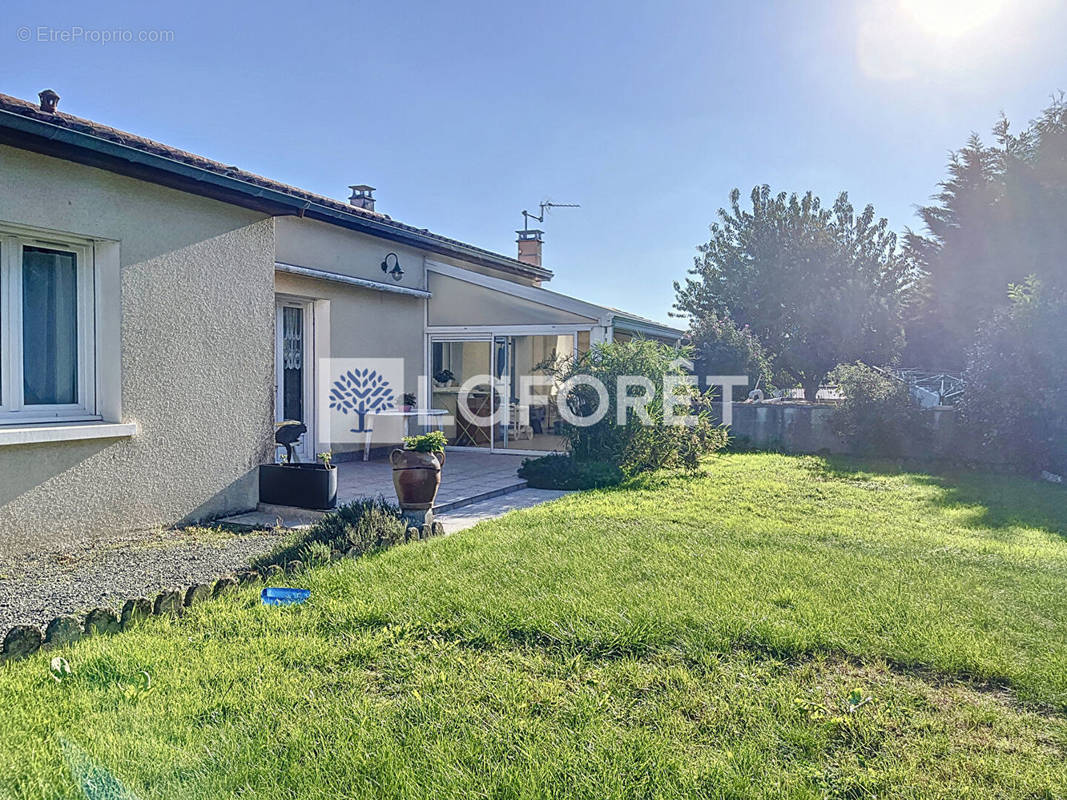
column 433, row 417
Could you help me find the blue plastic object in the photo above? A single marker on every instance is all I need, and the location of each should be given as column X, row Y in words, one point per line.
column 276, row 596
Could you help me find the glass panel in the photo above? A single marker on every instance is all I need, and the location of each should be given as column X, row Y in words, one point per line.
column 507, row 390
column 292, row 363
column 3, row 336
column 49, row 327
column 533, row 356
column 452, row 364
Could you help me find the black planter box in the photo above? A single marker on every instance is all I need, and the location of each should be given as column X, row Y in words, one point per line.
column 302, row 485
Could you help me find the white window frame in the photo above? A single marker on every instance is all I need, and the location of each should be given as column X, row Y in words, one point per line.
column 13, row 411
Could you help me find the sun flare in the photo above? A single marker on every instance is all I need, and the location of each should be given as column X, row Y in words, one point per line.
column 951, row 19
column 900, row 39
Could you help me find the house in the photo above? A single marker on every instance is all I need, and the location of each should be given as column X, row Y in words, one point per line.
column 160, row 311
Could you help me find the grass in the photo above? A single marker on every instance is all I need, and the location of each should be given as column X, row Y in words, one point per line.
column 780, row 627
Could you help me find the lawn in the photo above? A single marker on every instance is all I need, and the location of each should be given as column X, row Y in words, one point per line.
column 777, row 627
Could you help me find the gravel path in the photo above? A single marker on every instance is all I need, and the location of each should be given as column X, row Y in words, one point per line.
column 107, row 572
column 34, row 589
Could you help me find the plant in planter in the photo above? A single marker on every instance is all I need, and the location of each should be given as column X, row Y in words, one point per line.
column 408, row 402
column 291, row 483
column 444, row 377
column 417, row 470
column 432, row 442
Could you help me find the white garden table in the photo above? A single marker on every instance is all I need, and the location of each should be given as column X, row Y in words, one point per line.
column 434, row 413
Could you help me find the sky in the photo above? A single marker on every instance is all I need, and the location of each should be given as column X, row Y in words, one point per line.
column 463, row 114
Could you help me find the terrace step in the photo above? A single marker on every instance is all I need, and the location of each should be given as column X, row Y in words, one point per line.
column 452, row 505
column 268, row 515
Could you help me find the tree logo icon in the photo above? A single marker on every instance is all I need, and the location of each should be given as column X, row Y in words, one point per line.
column 361, row 392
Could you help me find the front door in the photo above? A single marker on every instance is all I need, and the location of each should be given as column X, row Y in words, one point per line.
column 293, row 360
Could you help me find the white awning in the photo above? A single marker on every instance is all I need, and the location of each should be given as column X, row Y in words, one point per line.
column 337, row 277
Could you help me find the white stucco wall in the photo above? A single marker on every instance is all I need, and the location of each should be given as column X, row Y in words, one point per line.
column 319, row 245
column 196, row 355
column 460, row 303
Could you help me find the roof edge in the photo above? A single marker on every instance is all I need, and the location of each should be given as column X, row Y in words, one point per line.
column 636, row 325
column 605, row 315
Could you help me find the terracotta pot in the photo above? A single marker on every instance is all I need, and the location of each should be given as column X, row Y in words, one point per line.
column 416, row 478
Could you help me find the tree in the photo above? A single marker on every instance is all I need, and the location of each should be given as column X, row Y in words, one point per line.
column 1015, row 401
column 817, row 286
column 997, row 218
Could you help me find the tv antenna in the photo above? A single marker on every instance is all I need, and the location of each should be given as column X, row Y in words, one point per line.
column 545, row 206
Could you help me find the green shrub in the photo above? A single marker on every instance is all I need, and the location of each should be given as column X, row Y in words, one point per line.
column 366, row 525
column 315, row 553
column 634, row 446
column 725, row 348
column 557, row 471
column 877, row 416
column 1015, row 384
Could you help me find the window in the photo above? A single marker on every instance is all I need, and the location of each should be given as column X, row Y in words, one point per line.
column 46, row 331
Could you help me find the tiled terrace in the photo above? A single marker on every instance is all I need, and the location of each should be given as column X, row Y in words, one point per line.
column 467, row 477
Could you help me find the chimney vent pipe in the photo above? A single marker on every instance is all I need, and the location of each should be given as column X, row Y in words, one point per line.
column 362, row 196
column 49, row 101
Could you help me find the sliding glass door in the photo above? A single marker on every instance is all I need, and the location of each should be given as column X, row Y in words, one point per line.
column 511, row 399
column 524, row 370
column 454, row 364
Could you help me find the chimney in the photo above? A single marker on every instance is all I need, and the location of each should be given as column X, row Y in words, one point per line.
column 49, row 100
column 530, row 247
column 362, row 196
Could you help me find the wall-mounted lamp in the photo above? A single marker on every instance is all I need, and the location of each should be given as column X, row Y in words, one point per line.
column 396, row 270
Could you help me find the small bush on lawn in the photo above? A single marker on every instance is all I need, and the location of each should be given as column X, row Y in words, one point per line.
column 877, row 416
column 634, row 445
column 557, row 471
column 366, row 525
